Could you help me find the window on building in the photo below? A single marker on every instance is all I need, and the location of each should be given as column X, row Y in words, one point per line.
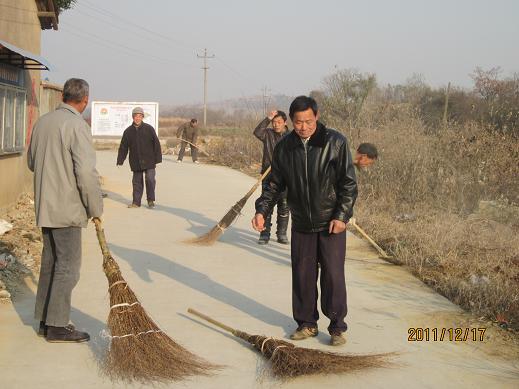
column 12, row 119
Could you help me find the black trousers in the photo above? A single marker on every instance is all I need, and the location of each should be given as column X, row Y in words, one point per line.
column 329, row 251
column 194, row 150
column 283, row 215
column 138, row 185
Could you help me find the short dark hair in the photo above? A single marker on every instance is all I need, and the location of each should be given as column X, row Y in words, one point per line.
column 282, row 115
column 75, row 89
column 194, row 120
column 369, row 149
column 302, row 103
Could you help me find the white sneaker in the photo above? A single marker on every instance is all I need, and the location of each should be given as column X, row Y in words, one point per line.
column 197, row 162
column 179, row 161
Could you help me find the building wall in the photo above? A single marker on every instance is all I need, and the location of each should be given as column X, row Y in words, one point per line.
column 21, row 27
column 50, row 97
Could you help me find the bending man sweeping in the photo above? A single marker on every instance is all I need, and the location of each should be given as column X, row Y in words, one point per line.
column 270, row 137
column 314, row 164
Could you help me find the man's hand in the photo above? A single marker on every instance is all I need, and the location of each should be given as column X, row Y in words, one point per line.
column 272, row 114
column 336, row 227
column 258, row 222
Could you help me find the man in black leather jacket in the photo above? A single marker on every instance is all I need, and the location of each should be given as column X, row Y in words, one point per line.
column 314, row 164
column 270, row 136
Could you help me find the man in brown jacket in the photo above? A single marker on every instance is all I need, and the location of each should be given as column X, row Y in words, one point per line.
column 66, row 195
column 188, row 132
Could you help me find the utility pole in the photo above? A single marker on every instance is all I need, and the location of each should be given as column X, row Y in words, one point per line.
column 446, row 106
column 266, row 100
column 205, row 57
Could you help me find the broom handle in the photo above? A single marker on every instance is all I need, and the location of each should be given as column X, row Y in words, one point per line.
column 251, row 191
column 202, row 150
column 368, row 238
column 210, row 320
column 101, row 237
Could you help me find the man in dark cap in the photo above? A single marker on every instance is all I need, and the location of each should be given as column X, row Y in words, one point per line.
column 141, row 140
column 365, row 155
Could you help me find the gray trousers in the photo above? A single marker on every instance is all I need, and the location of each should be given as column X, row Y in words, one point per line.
column 59, row 274
column 194, row 150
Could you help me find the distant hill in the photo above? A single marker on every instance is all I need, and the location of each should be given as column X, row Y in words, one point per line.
column 252, row 105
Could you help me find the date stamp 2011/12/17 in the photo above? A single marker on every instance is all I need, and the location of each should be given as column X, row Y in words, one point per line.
column 434, row 334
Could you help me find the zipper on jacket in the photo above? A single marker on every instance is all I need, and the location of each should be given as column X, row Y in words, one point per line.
column 305, row 144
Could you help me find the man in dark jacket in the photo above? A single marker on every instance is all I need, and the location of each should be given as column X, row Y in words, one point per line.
column 314, row 164
column 144, row 146
column 270, row 137
column 188, row 132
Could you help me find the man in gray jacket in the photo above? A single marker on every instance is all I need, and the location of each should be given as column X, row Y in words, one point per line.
column 66, row 195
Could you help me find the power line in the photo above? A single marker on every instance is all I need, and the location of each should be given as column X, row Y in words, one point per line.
column 105, row 13
column 110, row 14
column 117, row 45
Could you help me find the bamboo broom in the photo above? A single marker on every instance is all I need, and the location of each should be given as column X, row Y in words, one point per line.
column 212, row 236
column 380, row 250
column 139, row 350
column 288, row 361
column 199, row 148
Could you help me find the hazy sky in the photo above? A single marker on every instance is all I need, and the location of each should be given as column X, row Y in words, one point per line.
column 146, row 50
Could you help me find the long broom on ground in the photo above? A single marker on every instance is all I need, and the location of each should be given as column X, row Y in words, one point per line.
column 139, row 350
column 213, row 235
column 288, row 361
column 199, row 148
column 383, row 254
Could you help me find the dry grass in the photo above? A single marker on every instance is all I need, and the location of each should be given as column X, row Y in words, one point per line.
column 422, row 201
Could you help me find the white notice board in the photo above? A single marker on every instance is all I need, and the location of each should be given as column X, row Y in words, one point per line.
column 111, row 118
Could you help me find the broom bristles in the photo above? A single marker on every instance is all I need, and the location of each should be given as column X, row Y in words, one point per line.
column 214, row 234
column 139, row 350
column 287, row 360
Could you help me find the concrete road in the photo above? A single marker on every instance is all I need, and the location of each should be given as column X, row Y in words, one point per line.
column 246, row 286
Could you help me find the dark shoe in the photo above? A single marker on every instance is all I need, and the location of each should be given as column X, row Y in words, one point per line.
column 66, row 334
column 303, row 333
column 133, row 205
column 282, row 239
column 151, row 204
column 42, row 330
column 263, row 239
column 337, row 339
column 104, row 195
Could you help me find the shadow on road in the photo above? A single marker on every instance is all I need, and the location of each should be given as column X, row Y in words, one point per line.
column 23, row 304
column 143, row 262
column 200, row 224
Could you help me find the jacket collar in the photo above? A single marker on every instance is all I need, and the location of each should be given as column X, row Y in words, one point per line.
column 69, row 108
column 318, row 139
